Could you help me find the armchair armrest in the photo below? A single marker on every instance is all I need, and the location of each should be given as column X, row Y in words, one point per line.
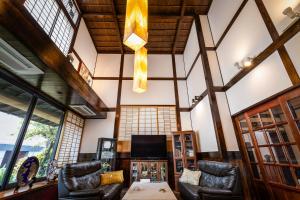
column 214, row 191
column 87, row 193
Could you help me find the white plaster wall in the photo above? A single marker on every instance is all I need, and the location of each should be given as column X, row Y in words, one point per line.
column 158, row 65
column 275, row 9
column 183, row 94
column 128, row 65
column 206, row 31
column 158, row 93
column 214, row 68
column 85, row 48
column 191, row 49
column 186, row 123
column 180, row 70
column 265, row 80
column 196, row 81
column 107, row 90
column 227, row 125
column 220, row 15
column 203, row 126
column 247, row 37
column 94, row 129
column 108, row 65
column 293, row 49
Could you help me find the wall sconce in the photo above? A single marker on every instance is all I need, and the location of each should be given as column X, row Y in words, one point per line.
column 247, row 62
column 291, row 13
column 193, row 101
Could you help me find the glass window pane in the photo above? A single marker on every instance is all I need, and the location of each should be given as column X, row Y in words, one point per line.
column 279, row 154
column 256, row 171
column 294, row 153
column 255, row 122
column 297, row 173
column 247, row 140
column 14, row 104
column 288, row 176
column 266, row 118
column 261, row 140
column 272, row 136
column 40, row 137
column 286, row 134
column 266, row 155
column 244, row 125
column 294, row 105
column 278, row 114
column 251, row 154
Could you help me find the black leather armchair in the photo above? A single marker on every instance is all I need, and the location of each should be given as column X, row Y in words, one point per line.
column 218, row 181
column 82, row 181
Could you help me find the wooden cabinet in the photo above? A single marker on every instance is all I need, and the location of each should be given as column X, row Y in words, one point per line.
column 155, row 170
column 269, row 137
column 184, row 152
column 106, row 152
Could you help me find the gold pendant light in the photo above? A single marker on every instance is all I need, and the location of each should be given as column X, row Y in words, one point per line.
column 136, row 24
column 140, row 70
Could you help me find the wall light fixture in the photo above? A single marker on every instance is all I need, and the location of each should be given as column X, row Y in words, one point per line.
column 291, row 13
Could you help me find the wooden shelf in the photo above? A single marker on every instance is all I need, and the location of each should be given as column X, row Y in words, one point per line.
column 9, row 194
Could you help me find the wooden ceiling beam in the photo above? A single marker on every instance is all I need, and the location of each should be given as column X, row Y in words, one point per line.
column 183, row 5
column 113, row 6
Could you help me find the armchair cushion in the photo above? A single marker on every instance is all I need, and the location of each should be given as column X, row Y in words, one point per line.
column 111, row 191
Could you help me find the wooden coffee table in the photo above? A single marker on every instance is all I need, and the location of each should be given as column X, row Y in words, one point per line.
column 149, row 191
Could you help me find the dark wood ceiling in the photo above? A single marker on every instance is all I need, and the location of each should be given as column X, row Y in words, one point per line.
column 170, row 22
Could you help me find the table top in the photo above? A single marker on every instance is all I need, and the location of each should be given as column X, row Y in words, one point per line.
column 149, row 191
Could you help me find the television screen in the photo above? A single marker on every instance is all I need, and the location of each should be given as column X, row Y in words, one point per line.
column 148, row 146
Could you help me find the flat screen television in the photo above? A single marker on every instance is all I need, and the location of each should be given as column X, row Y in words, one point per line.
column 149, row 146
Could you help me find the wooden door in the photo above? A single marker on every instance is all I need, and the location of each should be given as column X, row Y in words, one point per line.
column 270, row 139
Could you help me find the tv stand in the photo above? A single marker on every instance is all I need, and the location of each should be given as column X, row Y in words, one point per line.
column 155, row 170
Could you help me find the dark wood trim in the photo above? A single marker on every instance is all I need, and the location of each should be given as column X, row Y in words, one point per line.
column 118, row 105
column 280, row 41
column 218, row 89
column 178, row 119
column 231, row 23
column 210, row 91
column 214, row 155
column 178, row 25
column 184, row 109
column 286, row 60
column 115, row 18
column 193, row 64
column 210, row 48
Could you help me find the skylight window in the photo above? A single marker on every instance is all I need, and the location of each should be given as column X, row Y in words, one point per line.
column 57, row 19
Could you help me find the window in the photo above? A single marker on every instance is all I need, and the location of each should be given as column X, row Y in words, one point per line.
column 40, row 137
column 70, row 140
column 14, row 104
column 57, row 20
column 29, row 127
column 146, row 120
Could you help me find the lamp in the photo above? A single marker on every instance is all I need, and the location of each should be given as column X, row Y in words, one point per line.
column 136, row 24
column 246, row 62
column 291, row 13
column 140, row 70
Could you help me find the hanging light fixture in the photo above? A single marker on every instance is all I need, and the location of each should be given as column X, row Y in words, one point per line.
column 136, row 24
column 140, row 70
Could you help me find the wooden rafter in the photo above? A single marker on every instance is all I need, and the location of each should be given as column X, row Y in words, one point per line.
column 115, row 18
column 183, row 4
